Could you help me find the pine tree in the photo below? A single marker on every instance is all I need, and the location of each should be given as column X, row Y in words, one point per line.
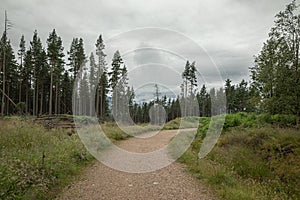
column 192, row 78
column 121, row 98
column 229, row 92
column 92, row 82
column 116, row 70
column 21, row 54
column 185, row 77
column 9, row 73
column 203, row 101
column 3, row 69
column 67, row 86
column 131, row 103
column 55, row 55
column 36, row 49
column 27, row 71
column 43, row 80
column 84, row 95
column 103, row 94
column 102, row 88
column 73, row 63
column 156, row 94
column 188, row 89
column 115, row 76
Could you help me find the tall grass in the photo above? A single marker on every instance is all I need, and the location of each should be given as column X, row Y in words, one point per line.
column 34, row 162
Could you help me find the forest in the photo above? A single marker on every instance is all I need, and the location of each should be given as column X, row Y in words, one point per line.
column 39, row 80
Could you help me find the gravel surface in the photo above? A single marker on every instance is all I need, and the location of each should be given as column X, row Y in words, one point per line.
column 172, row 182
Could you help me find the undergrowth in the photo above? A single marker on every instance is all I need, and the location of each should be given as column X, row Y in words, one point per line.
column 256, row 157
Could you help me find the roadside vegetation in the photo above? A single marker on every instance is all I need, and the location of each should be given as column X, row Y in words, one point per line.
column 256, row 157
column 36, row 162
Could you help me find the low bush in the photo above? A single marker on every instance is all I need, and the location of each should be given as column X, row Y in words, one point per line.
column 247, row 120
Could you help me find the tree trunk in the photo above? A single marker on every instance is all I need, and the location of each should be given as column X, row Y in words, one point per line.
column 37, row 99
column 297, row 84
column 64, row 101
column 51, row 88
column 20, row 92
column 101, row 102
column 7, row 102
column 27, row 93
column 97, row 102
column 20, row 81
column 41, row 100
column 56, row 98
column 3, row 91
column 4, row 68
column 3, row 83
column 34, row 94
column 91, row 104
column 58, row 103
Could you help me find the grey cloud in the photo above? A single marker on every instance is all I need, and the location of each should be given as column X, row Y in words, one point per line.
column 230, row 31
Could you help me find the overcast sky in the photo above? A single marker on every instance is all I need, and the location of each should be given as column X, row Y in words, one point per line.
column 230, row 31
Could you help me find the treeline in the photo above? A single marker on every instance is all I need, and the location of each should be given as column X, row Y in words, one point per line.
column 205, row 103
column 40, row 80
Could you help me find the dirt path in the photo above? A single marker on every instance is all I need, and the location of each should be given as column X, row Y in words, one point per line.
column 171, row 182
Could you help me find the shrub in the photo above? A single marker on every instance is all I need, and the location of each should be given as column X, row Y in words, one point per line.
column 283, row 120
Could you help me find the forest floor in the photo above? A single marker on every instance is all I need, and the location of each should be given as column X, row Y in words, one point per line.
column 172, row 182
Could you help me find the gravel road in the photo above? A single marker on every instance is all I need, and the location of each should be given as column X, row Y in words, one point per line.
column 172, row 182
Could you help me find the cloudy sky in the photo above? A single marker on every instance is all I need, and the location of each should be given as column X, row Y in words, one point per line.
column 222, row 33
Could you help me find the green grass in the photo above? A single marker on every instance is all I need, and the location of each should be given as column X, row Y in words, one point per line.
column 35, row 162
column 186, row 122
column 256, row 157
